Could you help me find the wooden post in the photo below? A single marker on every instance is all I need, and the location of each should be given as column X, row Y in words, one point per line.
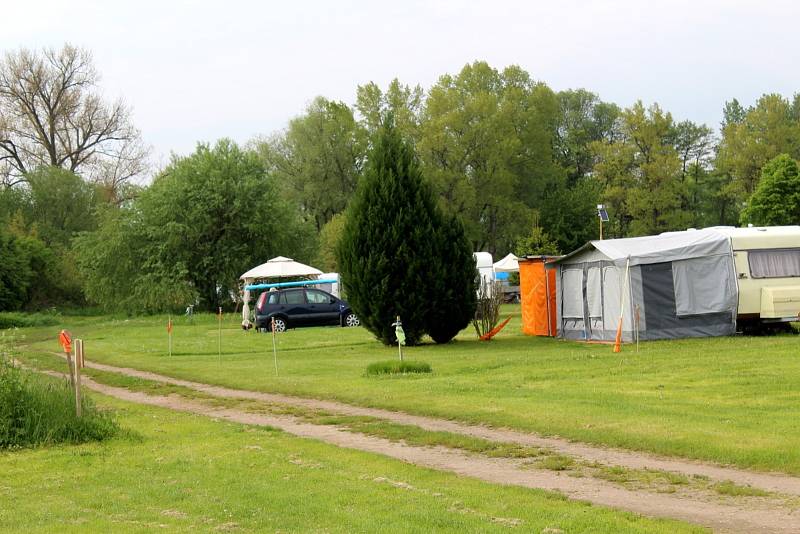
column 274, row 347
column 77, row 381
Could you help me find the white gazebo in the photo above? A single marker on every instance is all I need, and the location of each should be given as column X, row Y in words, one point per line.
column 279, row 267
column 509, row 264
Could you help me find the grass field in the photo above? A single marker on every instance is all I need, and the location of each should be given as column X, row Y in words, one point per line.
column 189, row 473
column 732, row 400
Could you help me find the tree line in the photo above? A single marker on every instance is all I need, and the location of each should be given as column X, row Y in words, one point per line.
column 521, row 165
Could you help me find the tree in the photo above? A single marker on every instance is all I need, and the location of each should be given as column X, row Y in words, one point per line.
column 403, row 102
column 776, row 200
column 329, row 238
column 318, row 159
column 752, row 137
column 392, row 249
column 537, row 243
column 52, row 115
column 453, row 307
column 206, row 219
column 640, row 174
column 486, row 144
column 15, row 273
column 61, row 204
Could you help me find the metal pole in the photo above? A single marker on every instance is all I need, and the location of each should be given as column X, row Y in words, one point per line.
column 219, row 336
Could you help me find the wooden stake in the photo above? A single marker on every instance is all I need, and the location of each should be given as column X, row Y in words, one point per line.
column 274, row 347
column 219, row 338
column 78, row 365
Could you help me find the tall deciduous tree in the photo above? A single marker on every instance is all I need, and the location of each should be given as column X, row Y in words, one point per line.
column 486, row 143
column 776, row 200
column 640, row 174
column 206, row 219
column 318, row 159
column 754, row 136
column 52, row 115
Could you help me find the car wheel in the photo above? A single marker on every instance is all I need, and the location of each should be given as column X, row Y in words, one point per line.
column 280, row 324
column 351, row 319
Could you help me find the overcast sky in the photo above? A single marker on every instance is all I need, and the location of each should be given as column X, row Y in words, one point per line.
column 200, row 70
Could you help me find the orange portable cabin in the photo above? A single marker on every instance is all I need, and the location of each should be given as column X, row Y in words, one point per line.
column 538, row 296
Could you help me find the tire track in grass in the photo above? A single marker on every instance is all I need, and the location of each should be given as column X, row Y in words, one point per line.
column 717, row 516
column 772, row 482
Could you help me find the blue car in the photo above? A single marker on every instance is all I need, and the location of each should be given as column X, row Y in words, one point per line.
column 295, row 307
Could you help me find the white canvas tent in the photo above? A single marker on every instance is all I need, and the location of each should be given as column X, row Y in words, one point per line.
column 679, row 284
column 279, row 267
column 509, row 264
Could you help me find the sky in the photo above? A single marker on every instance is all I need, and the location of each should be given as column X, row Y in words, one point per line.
column 196, row 71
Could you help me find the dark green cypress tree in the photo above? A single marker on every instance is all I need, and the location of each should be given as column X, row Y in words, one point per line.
column 390, row 254
column 454, row 284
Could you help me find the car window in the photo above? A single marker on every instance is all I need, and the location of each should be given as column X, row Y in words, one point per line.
column 273, row 298
column 317, row 297
column 292, row 297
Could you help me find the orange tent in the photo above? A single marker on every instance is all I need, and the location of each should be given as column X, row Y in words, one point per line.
column 538, row 296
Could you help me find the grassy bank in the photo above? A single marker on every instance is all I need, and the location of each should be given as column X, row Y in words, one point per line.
column 731, row 400
column 189, row 473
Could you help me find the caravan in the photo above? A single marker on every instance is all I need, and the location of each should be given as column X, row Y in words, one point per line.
column 679, row 284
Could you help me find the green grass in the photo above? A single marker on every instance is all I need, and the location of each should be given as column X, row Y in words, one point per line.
column 732, row 400
column 734, row 490
column 36, row 410
column 190, row 473
column 396, row 367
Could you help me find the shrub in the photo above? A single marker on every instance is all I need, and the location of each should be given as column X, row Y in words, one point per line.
column 23, row 320
column 38, row 410
column 394, row 367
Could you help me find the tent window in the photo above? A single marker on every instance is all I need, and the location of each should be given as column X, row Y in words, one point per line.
column 594, row 292
column 572, row 293
column 702, row 285
column 776, row 263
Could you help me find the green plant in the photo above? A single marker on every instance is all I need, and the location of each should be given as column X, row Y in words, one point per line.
column 398, row 255
column 397, row 367
column 38, row 410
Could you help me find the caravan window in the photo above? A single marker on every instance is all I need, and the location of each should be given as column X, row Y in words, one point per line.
column 775, row 263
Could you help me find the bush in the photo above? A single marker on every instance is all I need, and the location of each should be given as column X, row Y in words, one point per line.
column 37, row 410
column 394, row 367
column 23, row 320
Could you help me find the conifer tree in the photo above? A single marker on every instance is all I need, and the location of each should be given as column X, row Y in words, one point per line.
column 391, row 257
column 454, row 284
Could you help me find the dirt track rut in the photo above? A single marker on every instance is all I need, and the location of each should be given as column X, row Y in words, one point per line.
column 747, row 516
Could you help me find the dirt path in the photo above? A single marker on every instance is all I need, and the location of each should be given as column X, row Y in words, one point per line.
column 774, row 482
column 719, row 516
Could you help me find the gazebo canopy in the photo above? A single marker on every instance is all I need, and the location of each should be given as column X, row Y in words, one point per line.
column 509, row 264
column 280, row 267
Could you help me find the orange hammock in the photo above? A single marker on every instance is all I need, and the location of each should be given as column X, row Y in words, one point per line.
column 493, row 332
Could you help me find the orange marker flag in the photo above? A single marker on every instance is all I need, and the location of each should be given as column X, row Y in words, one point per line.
column 65, row 338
